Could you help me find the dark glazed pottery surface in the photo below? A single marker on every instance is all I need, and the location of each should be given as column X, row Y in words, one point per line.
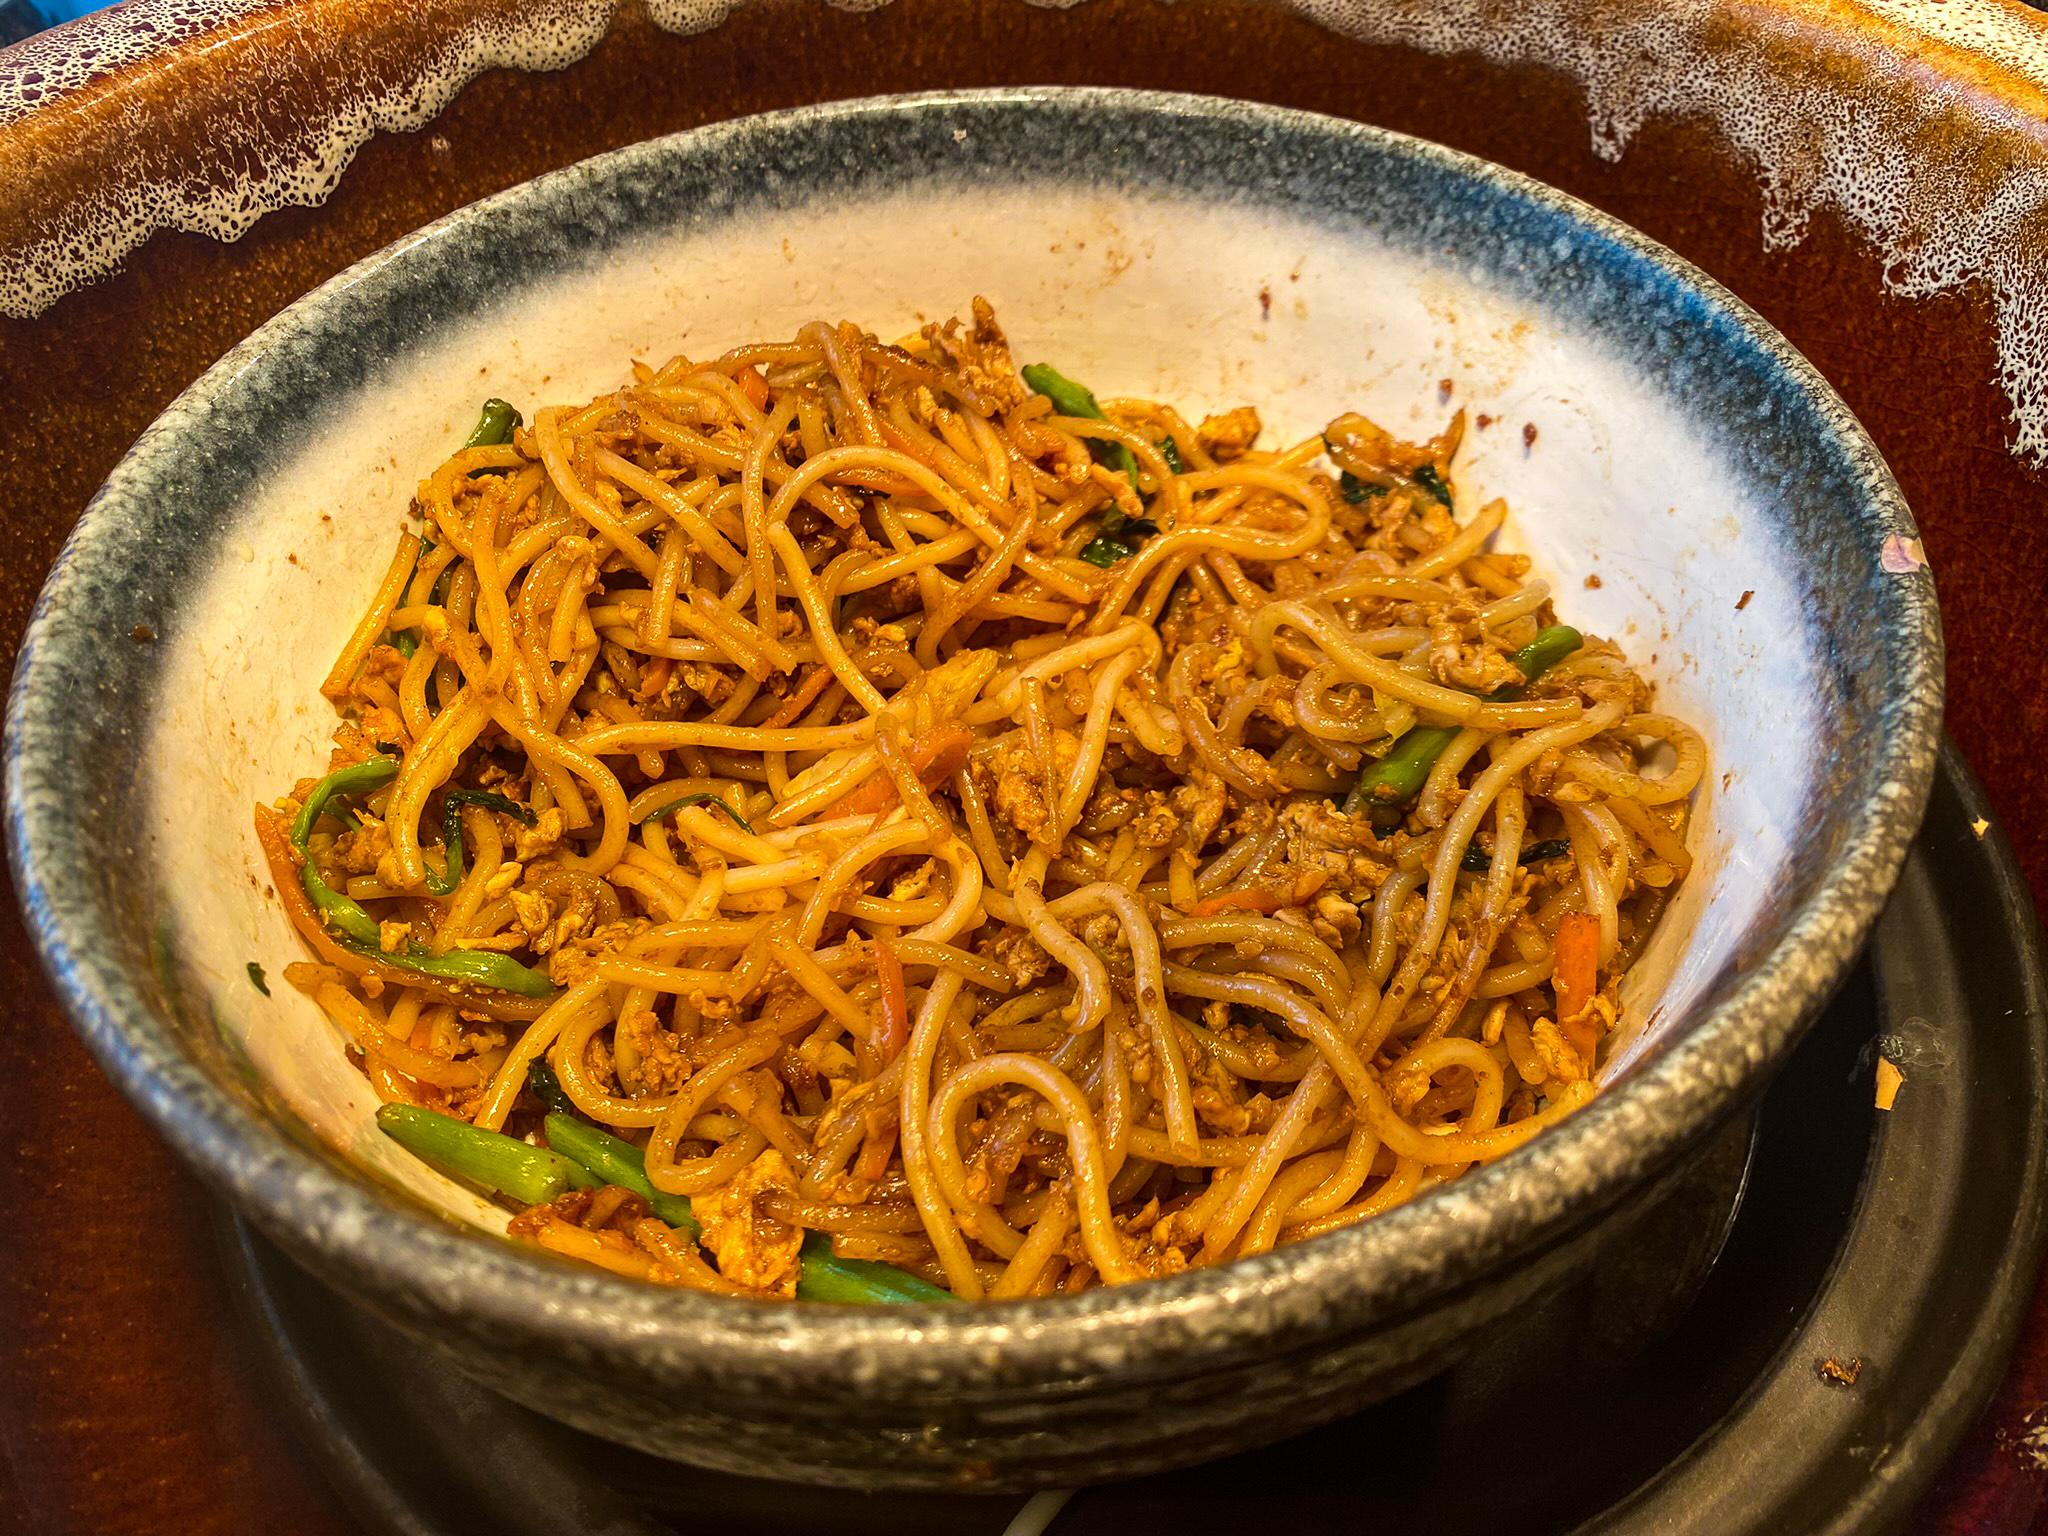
column 843, row 1395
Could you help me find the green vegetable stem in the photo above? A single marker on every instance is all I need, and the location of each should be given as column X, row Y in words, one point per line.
column 452, row 803
column 1357, row 491
column 335, row 909
column 495, row 426
column 471, row 967
column 1386, row 786
column 1477, row 859
column 355, row 929
column 616, row 1162
column 1432, row 482
column 821, row 1274
column 1119, row 539
column 404, row 641
column 541, row 1079
column 676, row 805
column 1071, row 399
column 530, row 1175
column 1549, row 647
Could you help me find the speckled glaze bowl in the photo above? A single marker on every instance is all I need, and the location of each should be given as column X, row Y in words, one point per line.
column 1687, row 482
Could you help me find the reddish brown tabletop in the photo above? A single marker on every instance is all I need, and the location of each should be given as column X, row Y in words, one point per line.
column 129, row 1403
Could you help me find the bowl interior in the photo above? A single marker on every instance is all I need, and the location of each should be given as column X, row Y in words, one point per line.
column 1687, row 487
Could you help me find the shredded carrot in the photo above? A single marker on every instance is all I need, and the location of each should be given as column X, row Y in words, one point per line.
column 753, row 386
column 946, row 755
column 1575, row 977
column 805, row 695
column 893, row 1029
column 1264, row 899
column 1583, row 1037
column 1578, row 962
column 873, row 1161
column 653, row 678
column 935, row 757
column 1267, row 899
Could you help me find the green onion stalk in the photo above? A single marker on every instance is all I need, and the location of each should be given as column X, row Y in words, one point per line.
column 821, row 1274
column 1386, row 787
column 1120, row 534
column 580, row 1156
column 354, row 929
column 495, row 426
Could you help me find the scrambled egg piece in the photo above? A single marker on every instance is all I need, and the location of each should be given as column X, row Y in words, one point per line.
column 544, row 836
column 1556, row 1053
column 753, row 1248
column 1230, row 435
column 659, row 1064
column 981, row 357
column 1020, row 791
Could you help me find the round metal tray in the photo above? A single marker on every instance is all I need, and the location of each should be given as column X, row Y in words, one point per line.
column 1794, row 1342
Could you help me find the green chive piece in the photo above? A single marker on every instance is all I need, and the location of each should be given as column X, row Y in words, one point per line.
column 469, row 967
column 335, row 909
column 1549, row 647
column 676, row 805
column 613, row 1161
column 495, row 426
column 452, row 803
column 531, row 1175
column 1357, row 491
column 823, row 1276
column 356, row 779
column 1104, row 551
column 1477, row 859
column 1072, row 399
column 1386, row 786
column 540, row 1077
column 1432, row 482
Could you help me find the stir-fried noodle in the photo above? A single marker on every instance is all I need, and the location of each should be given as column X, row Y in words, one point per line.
column 932, row 819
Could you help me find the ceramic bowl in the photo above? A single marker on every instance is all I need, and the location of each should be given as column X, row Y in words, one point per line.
column 1687, row 482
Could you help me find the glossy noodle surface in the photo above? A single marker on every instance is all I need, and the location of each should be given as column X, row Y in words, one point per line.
column 892, row 824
